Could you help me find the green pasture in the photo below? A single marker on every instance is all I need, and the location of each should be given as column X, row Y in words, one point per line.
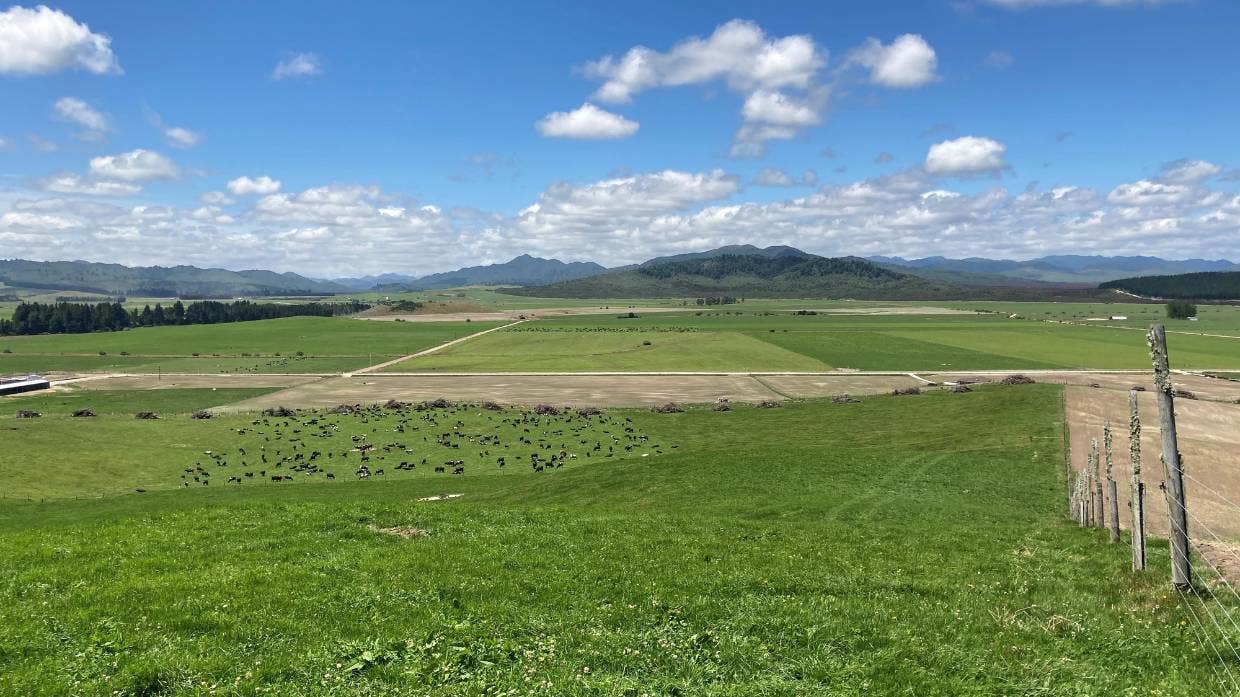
column 296, row 344
column 902, row 545
column 749, row 340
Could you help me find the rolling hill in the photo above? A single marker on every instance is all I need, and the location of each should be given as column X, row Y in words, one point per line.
column 1065, row 268
column 1216, row 285
column 157, row 281
column 784, row 275
column 524, row 270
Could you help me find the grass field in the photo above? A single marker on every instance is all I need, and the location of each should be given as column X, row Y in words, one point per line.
column 896, row 546
column 298, row 344
column 740, row 340
column 1213, row 319
column 129, row 402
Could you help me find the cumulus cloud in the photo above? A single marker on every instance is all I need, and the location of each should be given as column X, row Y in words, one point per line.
column 135, row 165
column 630, row 218
column 73, row 110
column 1189, row 171
column 215, row 198
column 772, row 176
column 906, row 62
column 776, row 75
column 738, row 52
column 42, row 40
column 586, row 122
column 175, row 136
column 245, row 186
column 969, row 155
column 68, row 183
column 298, row 65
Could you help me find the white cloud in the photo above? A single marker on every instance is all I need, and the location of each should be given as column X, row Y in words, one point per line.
column 738, row 52
column 68, row 183
column 809, row 177
column 216, row 198
column 245, row 186
column 906, row 62
column 175, row 136
column 74, row 110
column 42, row 144
column 298, row 65
column 884, row 158
column 42, row 40
column 628, row 219
column 772, row 176
column 968, row 155
column 136, row 165
column 1189, row 171
column 3, row 143
column 999, row 60
column 587, row 121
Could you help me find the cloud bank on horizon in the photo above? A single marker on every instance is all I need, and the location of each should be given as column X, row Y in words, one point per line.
column 118, row 195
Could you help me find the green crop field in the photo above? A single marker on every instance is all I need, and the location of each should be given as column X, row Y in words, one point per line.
column 297, row 344
column 898, row 545
column 746, row 340
column 1214, row 319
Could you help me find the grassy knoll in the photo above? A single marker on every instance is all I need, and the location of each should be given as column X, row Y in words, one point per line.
column 296, row 344
column 911, row 545
column 764, row 340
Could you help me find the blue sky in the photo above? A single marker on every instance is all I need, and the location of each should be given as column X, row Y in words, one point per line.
column 417, row 138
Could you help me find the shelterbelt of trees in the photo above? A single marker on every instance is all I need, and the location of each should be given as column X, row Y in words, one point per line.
column 80, row 318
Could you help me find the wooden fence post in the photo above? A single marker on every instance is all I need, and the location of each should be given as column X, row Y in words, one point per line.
column 1137, row 502
column 1181, row 566
column 1112, row 488
column 1096, row 475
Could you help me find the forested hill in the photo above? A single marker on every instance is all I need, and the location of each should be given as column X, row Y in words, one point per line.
column 1211, row 285
column 524, row 270
column 157, row 281
column 751, row 276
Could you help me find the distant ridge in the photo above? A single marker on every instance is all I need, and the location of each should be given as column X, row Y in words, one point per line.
column 524, row 270
column 157, row 281
column 1208, row 285
column 1064, row 268
column 778, row 274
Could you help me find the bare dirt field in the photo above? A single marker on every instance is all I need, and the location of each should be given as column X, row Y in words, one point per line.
column 575, row 390
column 1209, row 435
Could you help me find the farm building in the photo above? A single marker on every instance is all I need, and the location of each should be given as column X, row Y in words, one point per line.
column 28, row 383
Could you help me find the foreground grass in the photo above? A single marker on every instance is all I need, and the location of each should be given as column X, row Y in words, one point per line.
column 178, row 401
column 911, row 545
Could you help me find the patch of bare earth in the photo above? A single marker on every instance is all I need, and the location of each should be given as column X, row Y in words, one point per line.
column 1209, row 438
column 401, row 531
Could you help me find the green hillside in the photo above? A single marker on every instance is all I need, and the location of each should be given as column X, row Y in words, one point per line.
column 750, row 276
column 156, row 281
column 1209, row 285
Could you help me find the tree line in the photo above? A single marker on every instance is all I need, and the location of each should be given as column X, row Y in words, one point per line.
column 80, row 318
column 1204, row 285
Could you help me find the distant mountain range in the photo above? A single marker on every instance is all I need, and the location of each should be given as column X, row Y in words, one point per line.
column 156, row 281
column 1068, row 268
column 770, row 271
column 777, row 274
column 524, row 270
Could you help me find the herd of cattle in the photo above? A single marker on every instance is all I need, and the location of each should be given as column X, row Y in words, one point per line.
column 403, row 439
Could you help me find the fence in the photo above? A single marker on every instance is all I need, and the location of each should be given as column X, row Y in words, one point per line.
column 1202, row 568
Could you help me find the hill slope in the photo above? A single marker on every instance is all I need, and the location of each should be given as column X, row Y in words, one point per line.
column 749, row 275
column 1216, row 285
column 1064, row 268
column 156, row 281
column 524, row 270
